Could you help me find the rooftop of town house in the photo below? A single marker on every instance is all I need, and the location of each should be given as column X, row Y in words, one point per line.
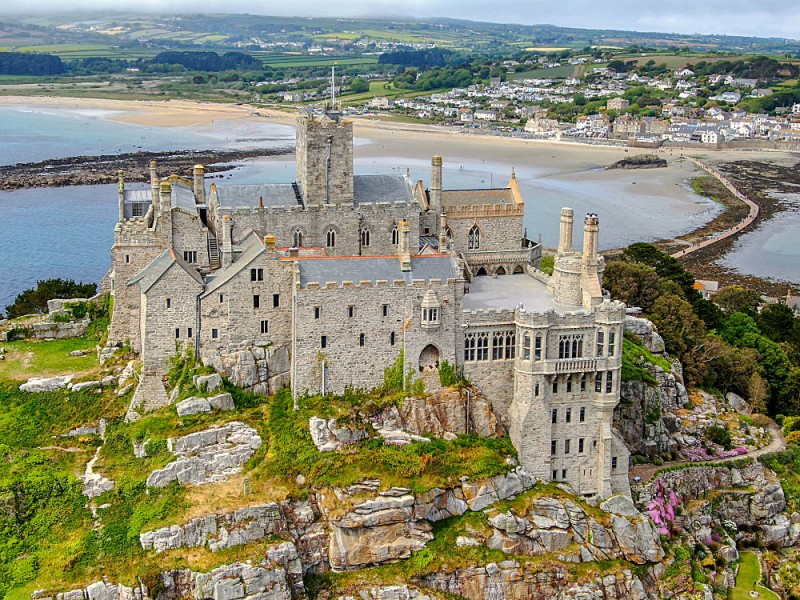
column 510, row 291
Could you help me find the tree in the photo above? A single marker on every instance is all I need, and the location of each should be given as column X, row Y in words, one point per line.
column 777, row 322
column 35, row 300
column 735, row 299
column 359, row 85
column 683, row 333
column 634, row 284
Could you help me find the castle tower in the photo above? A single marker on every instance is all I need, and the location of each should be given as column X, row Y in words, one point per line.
column 565, row 234
column 324, row 155
column 436, row 185
column 121, row 177
column 403, row 248
column 199, row 181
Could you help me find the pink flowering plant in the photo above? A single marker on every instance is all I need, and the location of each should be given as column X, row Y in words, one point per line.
column 662, row 508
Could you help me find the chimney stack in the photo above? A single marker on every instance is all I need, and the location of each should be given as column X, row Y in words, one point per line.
column 442, row 233
column 199, row 180
column 269, row 244
column 436, row 184
column 121, row 177
column 565, row 238
column 590, row 230
column 154, row 183
column 404, row 250
column 227, row 242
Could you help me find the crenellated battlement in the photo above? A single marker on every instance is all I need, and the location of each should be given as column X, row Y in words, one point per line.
column 468, row 211
column 370, row 284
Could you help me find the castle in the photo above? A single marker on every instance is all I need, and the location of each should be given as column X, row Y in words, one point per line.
column 322, row 283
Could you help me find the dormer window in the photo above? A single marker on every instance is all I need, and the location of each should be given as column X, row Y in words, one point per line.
column 431, row 309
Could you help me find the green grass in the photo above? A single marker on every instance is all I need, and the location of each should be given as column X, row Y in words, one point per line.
column 634, row 356
column 748, row 578
column 38, row 358
column 562, row 72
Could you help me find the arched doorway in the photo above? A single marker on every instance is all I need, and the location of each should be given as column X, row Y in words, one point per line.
column 500, row 271
column 481, row 272
column 429, row 358
column 518, row 270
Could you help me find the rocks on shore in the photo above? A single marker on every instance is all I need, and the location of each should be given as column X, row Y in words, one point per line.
column 640, row 161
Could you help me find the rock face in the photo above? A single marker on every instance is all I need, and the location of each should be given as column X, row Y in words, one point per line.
column 388, row 592
column 646, row 332
column 46, row 384
column 328, row 436
column 259, row 370
column 195, row 405
column 446, row 412
column 552, row 525
column 207, row 456
column 507, row 580
column 208, row 383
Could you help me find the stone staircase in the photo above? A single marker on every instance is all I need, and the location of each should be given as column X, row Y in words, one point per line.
column 213, row 252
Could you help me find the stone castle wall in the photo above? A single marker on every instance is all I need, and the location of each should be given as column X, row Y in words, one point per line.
column 324, row 153
column 347, row 362
column 189, row 234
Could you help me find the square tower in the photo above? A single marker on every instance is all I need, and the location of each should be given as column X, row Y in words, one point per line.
column 324, row 155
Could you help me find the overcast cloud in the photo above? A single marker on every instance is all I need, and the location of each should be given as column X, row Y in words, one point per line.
column 770, row 18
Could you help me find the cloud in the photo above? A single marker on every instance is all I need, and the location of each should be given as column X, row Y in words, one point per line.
column 778, row 18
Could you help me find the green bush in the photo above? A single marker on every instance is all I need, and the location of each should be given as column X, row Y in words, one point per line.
column 720, row 436
column 19, row 333
column 447, row 374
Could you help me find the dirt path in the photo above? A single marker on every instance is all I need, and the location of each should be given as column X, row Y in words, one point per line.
column 736, row 229
column 646, row 472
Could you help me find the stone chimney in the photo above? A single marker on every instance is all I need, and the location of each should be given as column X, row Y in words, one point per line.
column 227, row 241
column 590, row 230
column 121, row 177
column 294, row 252
column 442, row 233
column 165, row 212
column 403, row 249
column 565, row 238
column 199, row 180
column 269, row 244
column 435, row 197
column 154, row 183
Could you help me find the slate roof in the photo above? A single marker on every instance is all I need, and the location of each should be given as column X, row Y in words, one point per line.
column 248, row 195
column 183, row 197
column 488, row 196
column 369, row 189
column 150, row 275
column 374, row 268
column 251, row 250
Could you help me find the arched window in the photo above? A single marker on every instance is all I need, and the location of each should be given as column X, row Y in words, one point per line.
column 526, row 347
column 474, row 238
column 449, row 233
column 537, row 349
column 395, row 236
column 330, row 239
column 297, row 238
column 365, row 237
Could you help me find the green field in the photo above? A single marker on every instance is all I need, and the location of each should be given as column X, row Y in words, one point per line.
column 562, row 72
column 748, row 578
column 299, row 60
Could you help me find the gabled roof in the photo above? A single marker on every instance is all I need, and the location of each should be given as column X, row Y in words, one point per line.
column 183, row 197
column 252, row 248
column 153, row 272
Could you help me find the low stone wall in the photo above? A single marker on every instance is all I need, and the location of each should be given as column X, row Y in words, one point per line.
column 57, row 331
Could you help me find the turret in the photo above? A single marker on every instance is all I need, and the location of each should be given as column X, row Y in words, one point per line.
column 565, row 237
column 121, row 177
column 154, row 183
column 227, row 242
column 404, row 250
column 435, row 197
column 199, row 184
column 324, row 160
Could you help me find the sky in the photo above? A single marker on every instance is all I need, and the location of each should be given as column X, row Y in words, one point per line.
column 762, row 18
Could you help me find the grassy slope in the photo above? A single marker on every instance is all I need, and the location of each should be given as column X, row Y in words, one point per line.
column 748, row 578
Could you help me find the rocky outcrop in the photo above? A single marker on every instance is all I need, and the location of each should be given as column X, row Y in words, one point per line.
column 207, row 383
column 507, row 579
column 562, row 527
column 646, row 332
column 387, row 592
column 46, row 384
column 327, row 435
column 259, row 370
column 447, row 411
column 195, row 405
column 207, row 456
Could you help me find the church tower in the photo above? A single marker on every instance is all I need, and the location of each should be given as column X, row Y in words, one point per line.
column 324, row 154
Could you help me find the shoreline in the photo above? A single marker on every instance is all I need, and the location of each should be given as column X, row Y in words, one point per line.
column 383, row 141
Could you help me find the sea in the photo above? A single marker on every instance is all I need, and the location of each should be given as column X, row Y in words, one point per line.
column 67, row 232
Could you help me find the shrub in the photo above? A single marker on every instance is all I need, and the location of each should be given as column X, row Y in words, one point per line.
column 447, row 374
column 720, row 436
column 19, row 333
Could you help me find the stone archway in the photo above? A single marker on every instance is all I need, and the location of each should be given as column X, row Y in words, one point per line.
column 481, row 272
column 518, row 270
column 500, row 271
column 429, row 358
